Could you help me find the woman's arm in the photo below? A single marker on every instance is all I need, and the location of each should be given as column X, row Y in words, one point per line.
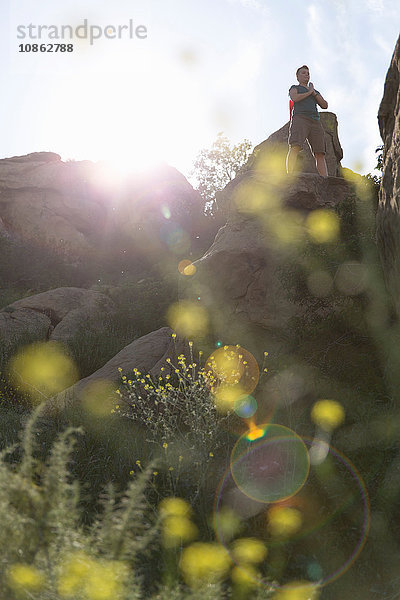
column 296, row 97
column 321, row 101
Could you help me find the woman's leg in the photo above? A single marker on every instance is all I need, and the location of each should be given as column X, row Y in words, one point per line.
column 321, row 164
column 292, row 158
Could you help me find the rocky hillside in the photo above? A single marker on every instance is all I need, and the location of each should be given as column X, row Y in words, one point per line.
column 77, row 206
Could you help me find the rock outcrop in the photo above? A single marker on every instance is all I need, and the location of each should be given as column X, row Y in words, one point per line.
column 276, row 145
column 75, row 206
column 54, row 315
column 388, row 215
column 239, row 279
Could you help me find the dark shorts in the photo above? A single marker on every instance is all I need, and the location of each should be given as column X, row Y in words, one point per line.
column 304, row 128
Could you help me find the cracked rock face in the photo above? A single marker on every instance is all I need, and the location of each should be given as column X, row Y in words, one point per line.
column 239, row 277
column 388, row 215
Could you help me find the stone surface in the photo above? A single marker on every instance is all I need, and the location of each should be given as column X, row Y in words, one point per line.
column 75, row 205
column 54, row 315
column 388, row 215
column 303, row 191
column 277, row 144
column 19, row 327
column 147, row 354
column 239, row 279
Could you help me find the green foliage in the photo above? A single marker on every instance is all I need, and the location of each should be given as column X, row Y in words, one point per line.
column 188, row 436
column 375, row 180
column 92, row 346
column 29, row 268
column 48, row 550
column 337, row 318
column 141, row 307
column 144, row 303
column 379, row 158
column 41, row 518
column 216, row 166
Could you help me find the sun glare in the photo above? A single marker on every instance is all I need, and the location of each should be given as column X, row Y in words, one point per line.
column 135, row 117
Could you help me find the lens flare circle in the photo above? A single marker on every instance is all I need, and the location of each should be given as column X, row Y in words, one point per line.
column 270, row 463
column 245, row 406
column 317, row 558
column 233, row 366
column 183, row 264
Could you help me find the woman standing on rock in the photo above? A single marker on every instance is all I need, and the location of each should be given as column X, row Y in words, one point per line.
column 305, row 123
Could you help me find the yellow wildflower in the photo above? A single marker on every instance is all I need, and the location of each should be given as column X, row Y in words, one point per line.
column 284, row 520
column 245, row 576
column 25, row 578
column 297, row 590
column 204, row 563
column 249, row 550
column 177, row 507
column 177, row 530
column 327, row 414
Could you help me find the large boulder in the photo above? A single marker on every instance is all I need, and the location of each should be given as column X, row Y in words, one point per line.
column 75, row 206
column 148, row 354
column 19, row 327
column 239, row 278
column 276, row 145
column 56, row 315
column 388, row 215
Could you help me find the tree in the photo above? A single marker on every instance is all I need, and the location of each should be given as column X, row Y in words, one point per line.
column 375, row 180
column 216, row 166
column 379, row 164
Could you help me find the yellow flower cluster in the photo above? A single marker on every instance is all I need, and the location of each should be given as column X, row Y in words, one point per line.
column 245, row 576
column 284, row 521
column 93, row 579
column 229, row 523
column 24, row 579
column 297, row 590
column 247, row 552
column 204, row 563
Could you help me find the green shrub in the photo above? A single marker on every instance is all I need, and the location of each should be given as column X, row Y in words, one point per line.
column 187, row 435
column 48, row 552
column 41, row 531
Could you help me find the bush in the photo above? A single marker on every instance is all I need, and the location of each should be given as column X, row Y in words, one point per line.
column 187, row 435
column 47, row 551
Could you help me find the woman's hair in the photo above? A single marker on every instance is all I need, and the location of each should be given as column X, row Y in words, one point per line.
column 302, row 67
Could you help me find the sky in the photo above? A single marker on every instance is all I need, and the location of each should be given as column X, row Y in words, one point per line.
column 194, row 68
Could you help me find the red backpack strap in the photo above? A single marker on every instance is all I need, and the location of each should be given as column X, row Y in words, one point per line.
column 291, row 106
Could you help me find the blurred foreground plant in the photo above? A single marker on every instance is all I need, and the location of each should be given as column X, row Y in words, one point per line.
column 46, row 553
